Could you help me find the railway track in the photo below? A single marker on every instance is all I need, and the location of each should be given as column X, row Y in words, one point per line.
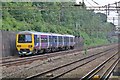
column 103, row 70
column 18, row 61
column 24, row 60
column 61, row 70
column 35, row 68
column 6, row 58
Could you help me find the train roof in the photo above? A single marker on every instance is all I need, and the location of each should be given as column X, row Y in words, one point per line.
column 41, row 33
column 57, row 34
column 33, row 32
column 69, row 35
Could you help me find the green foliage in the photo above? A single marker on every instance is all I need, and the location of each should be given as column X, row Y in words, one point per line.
column 57, row 17
column 102, row 16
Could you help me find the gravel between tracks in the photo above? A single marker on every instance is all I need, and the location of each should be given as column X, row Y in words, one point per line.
column 23, row 71
column 80, row 72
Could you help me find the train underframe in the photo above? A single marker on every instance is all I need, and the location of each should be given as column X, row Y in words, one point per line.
column 25, row 52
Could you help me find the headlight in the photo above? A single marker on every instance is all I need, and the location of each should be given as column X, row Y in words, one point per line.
column 18, row 45
column 29, row 46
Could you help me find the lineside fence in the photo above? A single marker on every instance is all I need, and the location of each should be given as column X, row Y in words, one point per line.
column 7, row 43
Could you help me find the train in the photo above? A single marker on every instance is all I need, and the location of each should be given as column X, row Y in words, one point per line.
column 31, row 42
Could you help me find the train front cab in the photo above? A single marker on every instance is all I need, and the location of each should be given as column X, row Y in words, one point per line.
column 25, row 44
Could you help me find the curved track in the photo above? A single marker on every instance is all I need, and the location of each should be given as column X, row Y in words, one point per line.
column 107, row 70
column 18, row 61
column 61, row 70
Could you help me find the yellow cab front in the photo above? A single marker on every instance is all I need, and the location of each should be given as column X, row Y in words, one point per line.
column 25, row 43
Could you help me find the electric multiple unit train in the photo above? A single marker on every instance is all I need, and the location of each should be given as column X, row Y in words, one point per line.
column 29, row 42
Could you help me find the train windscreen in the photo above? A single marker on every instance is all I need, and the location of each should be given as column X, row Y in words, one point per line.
column 24, row 38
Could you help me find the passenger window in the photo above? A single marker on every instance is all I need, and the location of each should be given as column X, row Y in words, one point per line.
column 60, row 39
column 37, row 39
column 43, row 39
column 55, row 39
column 71, row 39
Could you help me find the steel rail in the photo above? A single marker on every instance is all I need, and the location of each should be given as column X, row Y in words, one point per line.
column 103, row 76
column 5, row 61
column 33, row 58
column 86, row 77
column 38, row 65
column 96, row 72
column 107, row 76
column 108, row 69
column 56, row 68
column 55, row 77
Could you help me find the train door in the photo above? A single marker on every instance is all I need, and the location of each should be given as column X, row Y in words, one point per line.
column 44, row 41
column 65, row 41
column 60, row 41
column 50, row 41
column 37, row 41
column 54, row 42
